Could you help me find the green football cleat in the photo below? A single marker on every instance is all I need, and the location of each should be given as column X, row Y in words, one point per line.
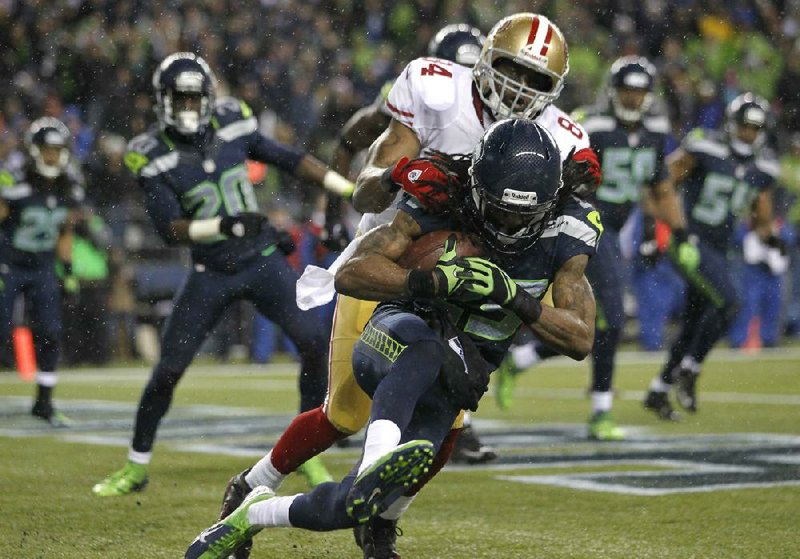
column 223, row 538
column 315, row 472
column 505, row 379
column 133, row 477
column 603, row 428
column 388, row 478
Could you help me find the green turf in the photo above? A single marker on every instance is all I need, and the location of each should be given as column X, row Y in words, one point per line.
column 48, row 510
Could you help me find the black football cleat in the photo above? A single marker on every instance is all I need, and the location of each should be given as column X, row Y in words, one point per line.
column 659, row 403
column 686, row 389
column 378, row 538
column 235, row 493
column 46, row 412
column 469, row 450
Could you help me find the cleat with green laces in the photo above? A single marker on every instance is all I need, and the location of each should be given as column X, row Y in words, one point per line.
column 505, row 379
column 315, row 472
column 133, row 477
column 223, row 538
column 603, row 428
column 388, row 478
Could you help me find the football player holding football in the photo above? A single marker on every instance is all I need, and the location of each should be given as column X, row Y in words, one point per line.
column 419, row 368
column 197, row 192
column 436, row 105
column 459, row 43
column 39, row 204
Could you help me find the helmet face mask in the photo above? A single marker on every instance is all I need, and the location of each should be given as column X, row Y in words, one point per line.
column 185, row 90
column 628, row 75
column 515, row 183
column 522, row 66
column 745, row 122
column 459, row 43
column 48, row 142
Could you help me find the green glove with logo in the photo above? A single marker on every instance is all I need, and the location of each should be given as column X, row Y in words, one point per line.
column 487, row 280
column 445, row 281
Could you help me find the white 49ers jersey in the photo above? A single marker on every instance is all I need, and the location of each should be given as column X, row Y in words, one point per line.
column 437, row 99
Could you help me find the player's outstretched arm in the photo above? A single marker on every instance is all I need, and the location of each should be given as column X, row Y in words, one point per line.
column 374, row 191
column 314, row 170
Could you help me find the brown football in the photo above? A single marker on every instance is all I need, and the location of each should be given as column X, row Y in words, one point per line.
column 423, row 253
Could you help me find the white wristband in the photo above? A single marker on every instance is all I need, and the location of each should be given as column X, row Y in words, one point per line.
column 336, row 183
column 201, row 229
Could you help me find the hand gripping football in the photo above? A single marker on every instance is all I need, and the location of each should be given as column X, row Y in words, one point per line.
column 424, row 252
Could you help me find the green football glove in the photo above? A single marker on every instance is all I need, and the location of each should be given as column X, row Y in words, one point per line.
column 487, row 280
column 445, row 281
column 684, row 252
column 448, row 268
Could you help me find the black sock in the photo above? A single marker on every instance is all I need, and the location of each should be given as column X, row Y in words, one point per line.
column 44, row 394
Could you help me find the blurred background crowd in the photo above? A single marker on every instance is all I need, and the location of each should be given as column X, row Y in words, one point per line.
column 305, row 68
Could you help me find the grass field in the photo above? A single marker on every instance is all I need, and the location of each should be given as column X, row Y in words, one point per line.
column 724, row 483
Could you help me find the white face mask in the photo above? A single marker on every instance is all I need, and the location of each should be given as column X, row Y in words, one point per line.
column 187, row 122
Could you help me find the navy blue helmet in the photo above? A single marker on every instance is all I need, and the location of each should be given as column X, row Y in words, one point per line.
column 746, row 109
column 48, row 131
column 184, row 74
column 459, row 43
column 631, row 72
column 515, row 182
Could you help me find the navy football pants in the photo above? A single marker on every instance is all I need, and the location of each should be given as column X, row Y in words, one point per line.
column 43, row 296
column 403, row 384
column 711, row 306
column 269, row 283
column 603, row 273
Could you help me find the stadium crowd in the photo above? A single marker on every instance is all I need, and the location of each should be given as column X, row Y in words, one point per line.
column 305, row 68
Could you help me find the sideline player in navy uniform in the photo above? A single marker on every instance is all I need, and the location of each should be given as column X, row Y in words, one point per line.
column 38, row 205
column 722, row 174
column 420, row 369
column 197, row 192
column 631, row 145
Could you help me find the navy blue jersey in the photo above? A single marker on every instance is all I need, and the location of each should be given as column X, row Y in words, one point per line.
column 573, row 232
column 186, row 181
column 722, row 185
column 38, row 208
column 631, row 158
